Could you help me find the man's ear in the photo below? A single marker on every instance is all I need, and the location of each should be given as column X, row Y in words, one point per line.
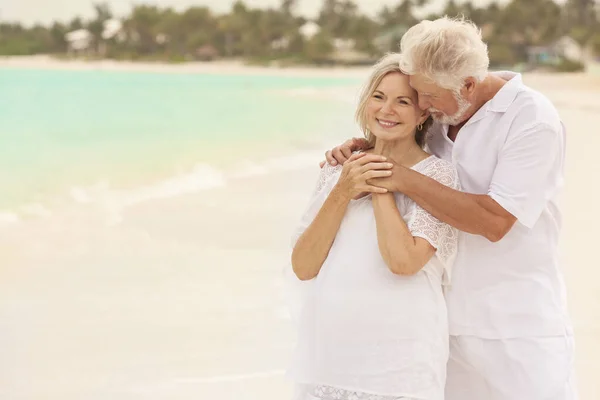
column 469, row 87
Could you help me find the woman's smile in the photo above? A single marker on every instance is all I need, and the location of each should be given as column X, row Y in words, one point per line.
column 387, row 124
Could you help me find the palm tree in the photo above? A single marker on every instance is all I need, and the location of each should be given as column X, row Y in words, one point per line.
column 96, row 26
column 142, row 29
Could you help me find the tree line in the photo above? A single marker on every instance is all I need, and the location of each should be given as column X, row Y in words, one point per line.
column 150, row 32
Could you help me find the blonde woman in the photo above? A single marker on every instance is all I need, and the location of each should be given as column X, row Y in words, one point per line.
column 373, row 321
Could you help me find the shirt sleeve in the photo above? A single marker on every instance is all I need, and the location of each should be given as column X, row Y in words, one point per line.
column 529, row 171
column 327, row 179
column 297, row 292
column 443, row 237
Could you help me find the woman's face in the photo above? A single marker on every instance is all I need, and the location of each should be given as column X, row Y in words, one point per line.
column 392, row 111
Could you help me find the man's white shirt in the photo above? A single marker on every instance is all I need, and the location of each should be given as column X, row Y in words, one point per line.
column 513, row 150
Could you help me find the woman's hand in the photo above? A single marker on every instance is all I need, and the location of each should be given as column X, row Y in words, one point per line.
column 359, row 168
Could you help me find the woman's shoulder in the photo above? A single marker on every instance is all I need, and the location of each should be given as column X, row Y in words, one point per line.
column 439, row 169
column 434, row 161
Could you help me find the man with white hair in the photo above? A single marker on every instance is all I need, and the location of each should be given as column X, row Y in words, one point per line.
column 511, row 337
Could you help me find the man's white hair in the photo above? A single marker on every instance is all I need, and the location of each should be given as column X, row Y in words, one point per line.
column 446, row 51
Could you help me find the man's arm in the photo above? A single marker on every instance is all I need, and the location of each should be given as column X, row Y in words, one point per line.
column 528, row 174
column 472, row 213
column 476, row 214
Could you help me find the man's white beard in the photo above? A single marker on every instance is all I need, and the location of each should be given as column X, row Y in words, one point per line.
column 454, row 119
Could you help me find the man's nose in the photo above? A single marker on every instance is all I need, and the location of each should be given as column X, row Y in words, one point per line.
column 424, row 104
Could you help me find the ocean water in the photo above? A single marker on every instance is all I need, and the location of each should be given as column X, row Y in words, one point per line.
column 76, row 136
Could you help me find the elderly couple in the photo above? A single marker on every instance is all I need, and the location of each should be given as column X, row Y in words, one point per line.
column 428, row 255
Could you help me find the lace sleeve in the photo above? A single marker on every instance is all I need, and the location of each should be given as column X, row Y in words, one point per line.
column 424, row 225
column 327, row 178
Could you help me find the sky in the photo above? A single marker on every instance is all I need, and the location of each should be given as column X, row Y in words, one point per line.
column 43, row 11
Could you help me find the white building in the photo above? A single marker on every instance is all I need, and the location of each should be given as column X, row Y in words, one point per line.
column 570, row 49
column 343, row 45
column 309, row 30
column 78, row 40
column 280, row 44
column 113, row 28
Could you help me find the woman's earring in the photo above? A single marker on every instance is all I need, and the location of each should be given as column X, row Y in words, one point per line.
column 420, row 127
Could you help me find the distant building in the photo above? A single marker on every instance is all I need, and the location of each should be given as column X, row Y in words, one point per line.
column 82, row 40
column 564, row 48
column 161, row 38
column 280, row 44
column 78, row 41
column 207, row 53
column 344, row 52
column 570, row 49
column 343, row 45
column 113, row 28
column 309, row 30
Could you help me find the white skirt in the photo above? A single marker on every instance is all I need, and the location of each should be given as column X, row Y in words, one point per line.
column 306, row 392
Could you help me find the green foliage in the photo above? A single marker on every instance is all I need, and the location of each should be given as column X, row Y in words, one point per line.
column 267, row 35
column 566, row 65
column 595, row 43
column 319, row 48
column 502, row 54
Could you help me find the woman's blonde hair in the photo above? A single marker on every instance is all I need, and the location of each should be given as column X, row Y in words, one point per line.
column 446, row 51
column 390, row 63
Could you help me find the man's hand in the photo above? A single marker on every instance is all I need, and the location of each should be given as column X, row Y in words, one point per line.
column 394, row 182
column 340, row 154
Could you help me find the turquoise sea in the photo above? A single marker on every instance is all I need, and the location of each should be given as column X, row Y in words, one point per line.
column 70, row 135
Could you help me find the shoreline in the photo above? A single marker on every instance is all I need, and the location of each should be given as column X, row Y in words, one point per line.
column 228, row 67
column 237, row 67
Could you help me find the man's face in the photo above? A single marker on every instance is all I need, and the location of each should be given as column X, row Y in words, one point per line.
column 445, row 107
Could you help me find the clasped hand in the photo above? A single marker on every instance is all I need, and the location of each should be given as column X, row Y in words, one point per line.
column 360, row 168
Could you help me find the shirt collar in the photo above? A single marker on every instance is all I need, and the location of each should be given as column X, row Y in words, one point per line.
column 507, row 94
column 503, row 99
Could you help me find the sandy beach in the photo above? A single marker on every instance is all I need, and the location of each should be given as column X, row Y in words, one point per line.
column 216, row 67
column 182, row 297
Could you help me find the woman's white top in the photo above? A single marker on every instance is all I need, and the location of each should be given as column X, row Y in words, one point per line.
column 364, row 332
